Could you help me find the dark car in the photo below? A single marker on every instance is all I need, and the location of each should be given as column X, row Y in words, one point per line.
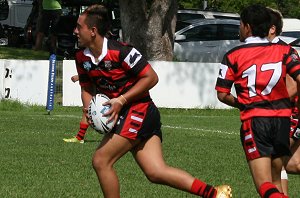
column 3, row 9
column 66, row 40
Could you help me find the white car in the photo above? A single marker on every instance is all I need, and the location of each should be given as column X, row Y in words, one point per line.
column 291, row 27
column 189, row 14
column 206, row 40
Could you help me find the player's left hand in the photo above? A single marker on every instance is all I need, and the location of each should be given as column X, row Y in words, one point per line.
column 115, row 107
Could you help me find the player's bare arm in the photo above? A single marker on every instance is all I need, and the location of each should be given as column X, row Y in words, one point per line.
column 298, row 88
column 86, row 96
column 228, row 99
column 291, row 86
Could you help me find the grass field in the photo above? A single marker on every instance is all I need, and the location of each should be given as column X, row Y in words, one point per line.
column 24, row 54
column 35, row 162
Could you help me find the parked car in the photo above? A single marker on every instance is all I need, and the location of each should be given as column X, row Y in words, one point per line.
column 19, row 20
column 291, row 27
column 66, row 40
column 17, row 12
column 11, row 32
column 189, row 14
column 206, row 40
column 186, row 17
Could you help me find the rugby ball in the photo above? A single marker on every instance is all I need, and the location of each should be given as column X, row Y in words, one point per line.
column 95, row 114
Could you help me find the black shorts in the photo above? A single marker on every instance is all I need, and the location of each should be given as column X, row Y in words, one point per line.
column 265, row 136
column 47, row 18
column 139, row 121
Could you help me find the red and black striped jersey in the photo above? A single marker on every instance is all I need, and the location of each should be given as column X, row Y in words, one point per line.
column 294, row 101
column 114, row 72
column 258, row 72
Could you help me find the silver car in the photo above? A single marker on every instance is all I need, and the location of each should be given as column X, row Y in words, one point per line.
column 189, row 14
column 206, row 40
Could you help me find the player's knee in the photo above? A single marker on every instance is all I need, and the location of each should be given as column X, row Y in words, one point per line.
column 99, row 162
column 293, row 167
column 154, row 176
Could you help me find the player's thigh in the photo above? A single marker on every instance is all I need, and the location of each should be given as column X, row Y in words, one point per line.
column 148, row 154
column 112, row 147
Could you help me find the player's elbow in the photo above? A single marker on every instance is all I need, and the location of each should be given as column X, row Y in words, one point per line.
column 222, row 96
column 153, row 81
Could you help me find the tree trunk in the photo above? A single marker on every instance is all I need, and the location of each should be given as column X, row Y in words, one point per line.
column 149, row 26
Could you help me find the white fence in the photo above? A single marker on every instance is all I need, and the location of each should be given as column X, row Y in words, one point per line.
column 24, row 80
column 181, row 84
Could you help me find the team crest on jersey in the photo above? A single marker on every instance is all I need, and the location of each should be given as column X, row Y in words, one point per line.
column 107, row 65
column 87, row 65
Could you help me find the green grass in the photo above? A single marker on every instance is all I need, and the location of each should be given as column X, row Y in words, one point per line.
column 24, row 54
column 35, row 162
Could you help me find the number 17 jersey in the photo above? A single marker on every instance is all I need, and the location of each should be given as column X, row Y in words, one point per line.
column 258, row 72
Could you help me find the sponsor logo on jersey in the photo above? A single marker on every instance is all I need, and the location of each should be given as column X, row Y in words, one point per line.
column 105, row 84
column 222, row 71
column 133, row 57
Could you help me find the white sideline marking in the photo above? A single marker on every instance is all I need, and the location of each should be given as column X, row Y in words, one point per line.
column 175, row 127
column 198, row 116
column 69, row 116
column 199, row 129
column 191, row 116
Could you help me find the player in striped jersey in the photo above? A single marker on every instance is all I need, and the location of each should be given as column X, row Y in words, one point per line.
column 291, row 164
column 258, row 70
column 124, row 75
